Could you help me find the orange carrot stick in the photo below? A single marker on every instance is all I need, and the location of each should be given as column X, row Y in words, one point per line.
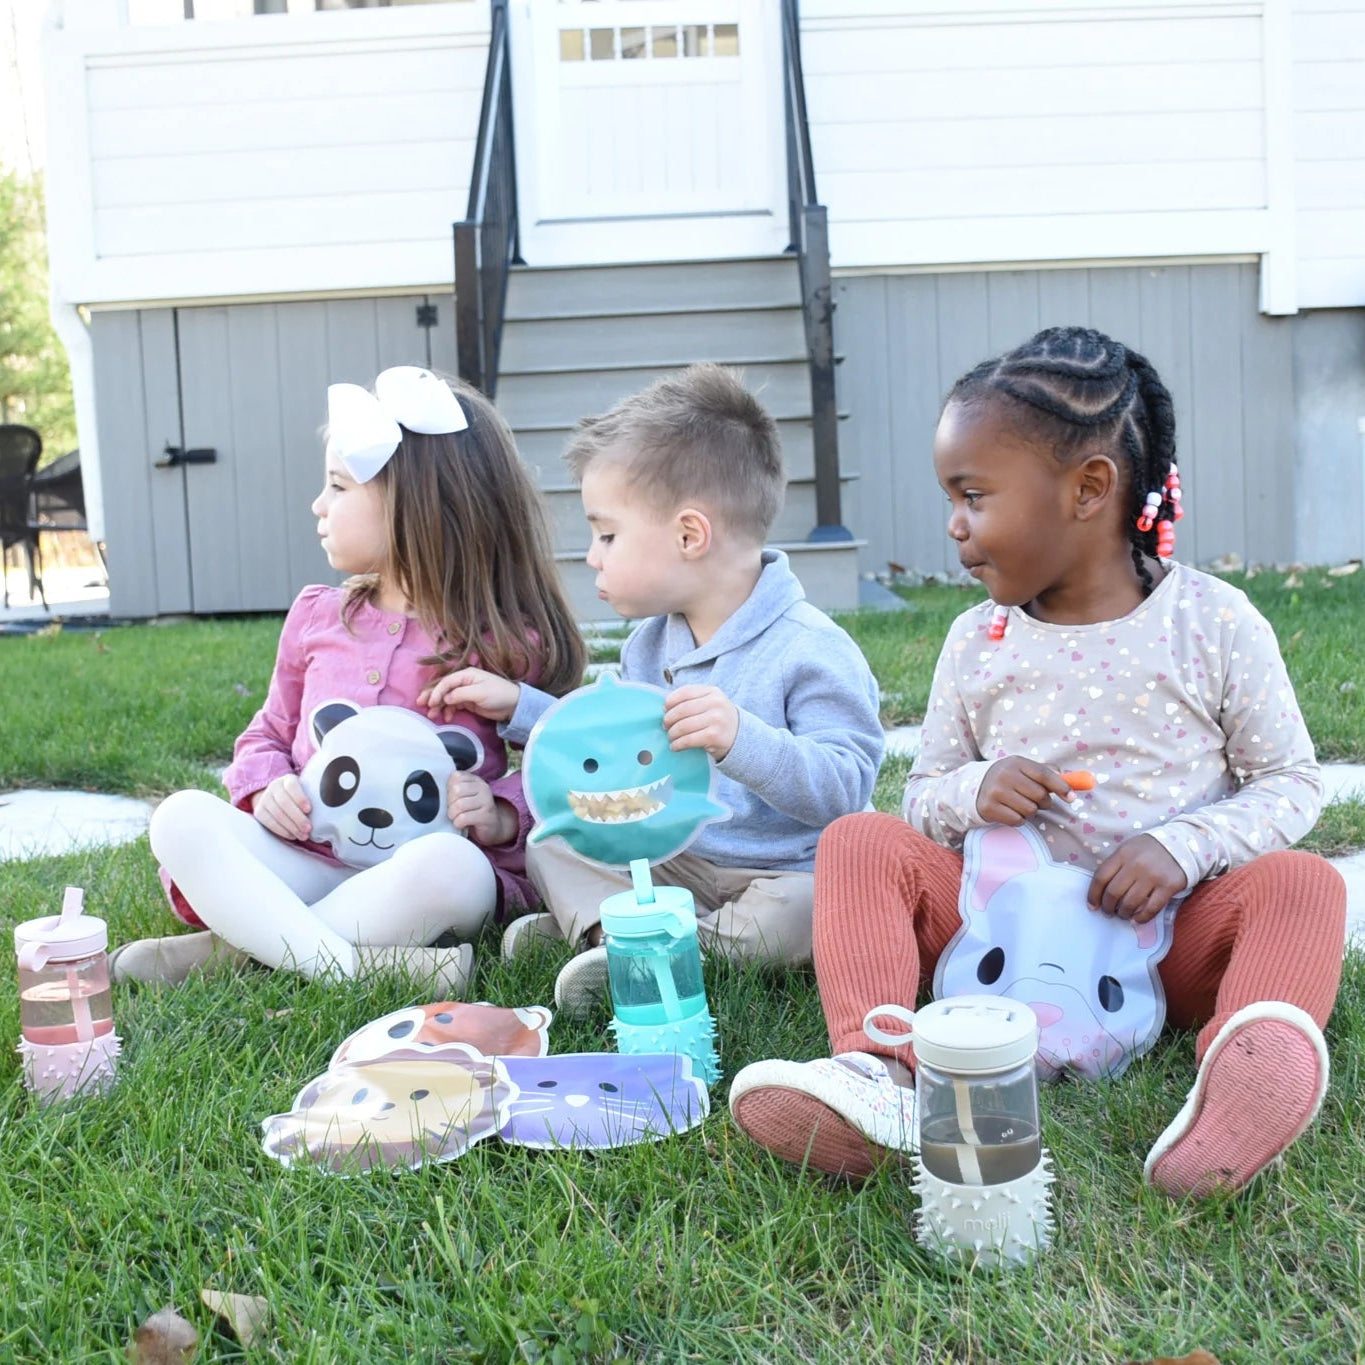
column 1079, row 780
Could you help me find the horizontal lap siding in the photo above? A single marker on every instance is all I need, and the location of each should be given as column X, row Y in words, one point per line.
column 1018, row 125
column 1329, row 152
column 907, row 338
column 277, row 167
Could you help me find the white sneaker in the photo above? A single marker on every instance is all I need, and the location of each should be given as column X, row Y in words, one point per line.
column 582, row 982
column 444, row 971
column 527, row 931
column 842, row 1115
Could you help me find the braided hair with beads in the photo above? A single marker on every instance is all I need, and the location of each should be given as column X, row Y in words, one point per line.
column 1076, row 389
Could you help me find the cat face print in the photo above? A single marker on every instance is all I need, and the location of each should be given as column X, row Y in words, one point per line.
column 1028, row 933
column 601, row 1099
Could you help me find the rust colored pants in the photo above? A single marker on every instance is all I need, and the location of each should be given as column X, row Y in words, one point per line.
column 886, row 906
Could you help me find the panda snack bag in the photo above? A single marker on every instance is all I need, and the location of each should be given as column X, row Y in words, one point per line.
column 379, row 777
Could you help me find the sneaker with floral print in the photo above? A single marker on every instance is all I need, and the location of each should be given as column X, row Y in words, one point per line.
column 843, row 1115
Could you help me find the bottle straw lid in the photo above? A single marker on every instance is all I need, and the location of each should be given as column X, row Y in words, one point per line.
column 648, row 909
column 66, row 937
column 975, row 1034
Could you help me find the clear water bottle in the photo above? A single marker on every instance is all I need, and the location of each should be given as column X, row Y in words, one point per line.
column 654, row 967
column 65, row 1013
column 984, row 1175
column 977, row 1089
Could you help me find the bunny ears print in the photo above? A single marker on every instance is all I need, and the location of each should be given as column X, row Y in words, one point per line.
column 364, row 428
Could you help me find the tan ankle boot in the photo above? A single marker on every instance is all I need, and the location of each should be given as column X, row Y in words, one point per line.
column 168, row 961
column 444, row 971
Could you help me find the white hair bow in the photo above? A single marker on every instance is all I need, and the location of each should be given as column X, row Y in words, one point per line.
column 364, row 428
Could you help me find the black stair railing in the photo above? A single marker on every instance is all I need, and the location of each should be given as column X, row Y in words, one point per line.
column 810, row 244
column 486, row 244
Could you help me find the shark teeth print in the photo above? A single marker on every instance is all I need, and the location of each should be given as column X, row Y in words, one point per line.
column 620, row 807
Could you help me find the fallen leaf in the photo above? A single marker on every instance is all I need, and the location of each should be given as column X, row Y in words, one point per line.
column 1342, row 570
column 164, row 1339
column 279, row 1014
column 1293, row 581
column 52, row 628
column 1194, row 1358
column 1294, row 639
column 247, row 1314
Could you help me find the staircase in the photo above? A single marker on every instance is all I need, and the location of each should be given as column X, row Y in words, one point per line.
column 577, row 339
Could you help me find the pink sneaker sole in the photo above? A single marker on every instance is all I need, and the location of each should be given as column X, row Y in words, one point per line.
column 798, row 1128
column 1260, row 1085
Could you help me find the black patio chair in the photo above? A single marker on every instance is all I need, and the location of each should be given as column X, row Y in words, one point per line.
column 20, row 448
column 57, row 502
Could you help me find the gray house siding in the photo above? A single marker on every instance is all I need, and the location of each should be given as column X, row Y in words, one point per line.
column 248, row 381
column 1268, row 411
column 906, row 338
column 1329, row 434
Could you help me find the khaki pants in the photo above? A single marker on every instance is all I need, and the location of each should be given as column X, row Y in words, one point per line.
column 755, row 913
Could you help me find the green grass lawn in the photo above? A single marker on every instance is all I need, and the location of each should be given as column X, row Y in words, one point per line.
column 700, row 1248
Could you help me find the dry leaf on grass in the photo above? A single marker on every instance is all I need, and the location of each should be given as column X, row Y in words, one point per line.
column 1194, row 1358
column 247, row 1314
column 1342, row 570
column 164, row 1339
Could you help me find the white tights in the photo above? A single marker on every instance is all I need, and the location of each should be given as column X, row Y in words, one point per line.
column 288, row 907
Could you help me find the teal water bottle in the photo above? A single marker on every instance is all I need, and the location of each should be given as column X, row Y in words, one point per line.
column 654, row 966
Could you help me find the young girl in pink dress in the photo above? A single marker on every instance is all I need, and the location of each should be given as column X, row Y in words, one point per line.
column 427, row 506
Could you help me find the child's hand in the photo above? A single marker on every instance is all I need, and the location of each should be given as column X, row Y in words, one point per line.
column 1136, row 880
column 283, row 808
column 472, row 807
column 1016, row 788
column 470, row 689
column 698, row 717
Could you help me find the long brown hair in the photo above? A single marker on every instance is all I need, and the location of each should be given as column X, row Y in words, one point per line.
column 470, row 549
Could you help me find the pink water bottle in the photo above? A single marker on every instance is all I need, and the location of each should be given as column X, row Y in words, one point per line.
column 68, row 1042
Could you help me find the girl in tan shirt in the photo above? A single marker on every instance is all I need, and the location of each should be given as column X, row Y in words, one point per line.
column 1096, row 651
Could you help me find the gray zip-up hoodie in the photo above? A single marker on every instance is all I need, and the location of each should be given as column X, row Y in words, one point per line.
column 809, row 740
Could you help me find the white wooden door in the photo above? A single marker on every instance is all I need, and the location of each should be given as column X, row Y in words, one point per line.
column 648, row 129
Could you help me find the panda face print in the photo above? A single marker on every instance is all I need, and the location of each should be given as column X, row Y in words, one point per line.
column 379, row 777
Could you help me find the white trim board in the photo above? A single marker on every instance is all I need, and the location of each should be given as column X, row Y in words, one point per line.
column 1093, row 263
column 1077, row 237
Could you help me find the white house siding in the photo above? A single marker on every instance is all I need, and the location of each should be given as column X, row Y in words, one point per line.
column 281, row 154
column 1329, row 151
column 1014, row 132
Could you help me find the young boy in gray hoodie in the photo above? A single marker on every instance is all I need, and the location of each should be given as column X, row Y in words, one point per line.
column 681, row 484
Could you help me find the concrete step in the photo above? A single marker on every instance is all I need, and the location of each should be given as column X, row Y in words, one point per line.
column 828, row 572
column 543, row 449
column 561, row 398
column 570, row 530
column 544, row 345
column 593, row 291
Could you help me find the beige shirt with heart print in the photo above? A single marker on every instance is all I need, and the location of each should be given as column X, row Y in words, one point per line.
column 1182, row 710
